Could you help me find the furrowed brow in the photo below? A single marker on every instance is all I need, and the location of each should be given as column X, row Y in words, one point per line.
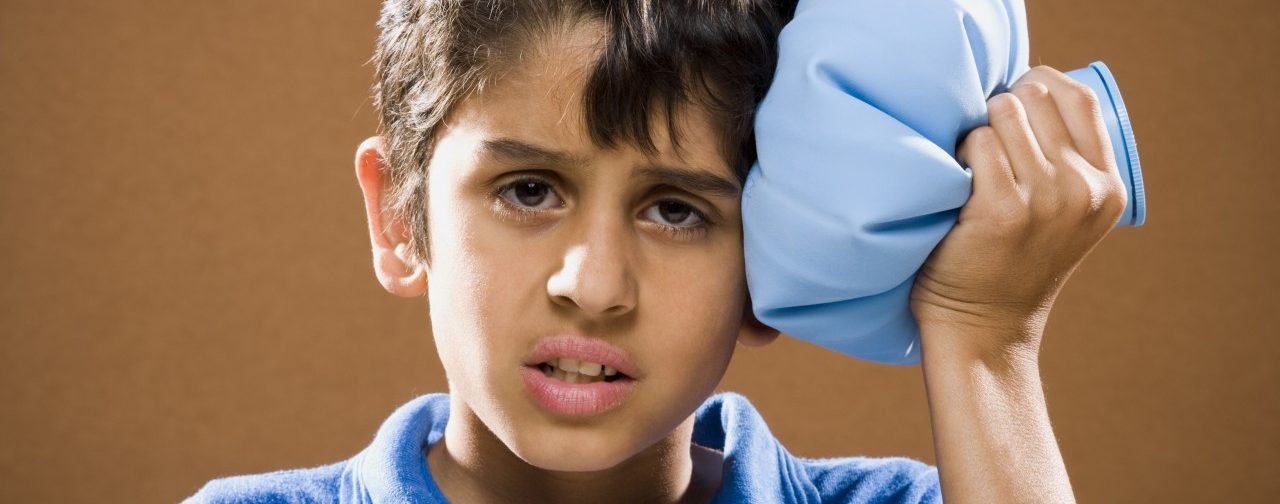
column 696, row 181
column 514, row 151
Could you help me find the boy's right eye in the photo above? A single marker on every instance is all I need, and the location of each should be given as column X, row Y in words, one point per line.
column 530, row 194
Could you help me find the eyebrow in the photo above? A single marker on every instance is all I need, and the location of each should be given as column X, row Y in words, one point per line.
column 692, row 180
column 515, row 151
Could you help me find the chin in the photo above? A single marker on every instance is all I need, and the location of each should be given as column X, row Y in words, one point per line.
column 559, row 465
column 572, row 453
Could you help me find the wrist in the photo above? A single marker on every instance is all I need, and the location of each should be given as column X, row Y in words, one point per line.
column 1004, row 347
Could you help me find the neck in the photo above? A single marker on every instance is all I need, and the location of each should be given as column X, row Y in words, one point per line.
column 470, row 464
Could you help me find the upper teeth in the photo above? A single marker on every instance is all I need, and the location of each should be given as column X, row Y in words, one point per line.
column 582, row 367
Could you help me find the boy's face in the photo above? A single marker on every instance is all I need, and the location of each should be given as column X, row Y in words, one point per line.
column 603, row 250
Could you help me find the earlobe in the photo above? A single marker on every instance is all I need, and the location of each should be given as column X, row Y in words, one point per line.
column 395, row 270
column 398, row 274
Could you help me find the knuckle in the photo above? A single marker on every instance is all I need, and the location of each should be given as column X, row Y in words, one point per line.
column 1043, row 68
column 1037, row 71
column 1084, row 97
column 1049, row 72
column 1030, row 91
column 1079, row 189
column 983, row 136
column 1105, row 196
column 1081, row 91
column 1114, row 197
column 1003, row 107
column 1033, row 88
column 979, row 146
column 1109, row 208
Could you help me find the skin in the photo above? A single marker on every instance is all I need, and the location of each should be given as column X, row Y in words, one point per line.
column 1046, row 190
column 598, row 261
column 595, row 256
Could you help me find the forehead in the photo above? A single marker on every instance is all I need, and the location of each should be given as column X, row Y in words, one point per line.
column 536, row 97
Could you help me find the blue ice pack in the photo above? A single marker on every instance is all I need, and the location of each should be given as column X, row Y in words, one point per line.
column 857, row 179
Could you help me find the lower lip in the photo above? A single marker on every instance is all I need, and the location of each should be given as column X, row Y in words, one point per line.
column 575, row 399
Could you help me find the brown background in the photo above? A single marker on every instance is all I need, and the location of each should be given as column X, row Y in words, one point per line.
column 186, row 291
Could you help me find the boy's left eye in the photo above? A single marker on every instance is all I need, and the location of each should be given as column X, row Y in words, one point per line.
column 674, row 213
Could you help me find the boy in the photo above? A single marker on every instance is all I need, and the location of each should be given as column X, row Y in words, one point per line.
column 562, row 180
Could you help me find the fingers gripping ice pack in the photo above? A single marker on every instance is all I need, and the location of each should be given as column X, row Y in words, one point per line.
column 857, row 179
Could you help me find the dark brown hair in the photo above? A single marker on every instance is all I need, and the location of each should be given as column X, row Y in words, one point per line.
column 431, row 54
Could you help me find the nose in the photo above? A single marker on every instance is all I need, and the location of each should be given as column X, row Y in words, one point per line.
column 596, row 274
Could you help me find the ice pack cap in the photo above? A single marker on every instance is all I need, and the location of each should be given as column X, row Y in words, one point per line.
column 856, row 180
column 1098, row 77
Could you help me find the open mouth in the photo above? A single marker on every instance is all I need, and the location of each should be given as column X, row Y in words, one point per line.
column 575, row 371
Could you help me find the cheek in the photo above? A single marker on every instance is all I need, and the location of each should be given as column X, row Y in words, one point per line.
column 485, row 281
column 707, row 282
column 697, row 308
column 471, row 286
column 471, row 266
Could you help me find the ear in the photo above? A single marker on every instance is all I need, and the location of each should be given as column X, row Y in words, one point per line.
column 753, row 332
column 395, row 270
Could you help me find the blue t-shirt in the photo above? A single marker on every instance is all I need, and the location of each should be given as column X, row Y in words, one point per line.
column 756, row 466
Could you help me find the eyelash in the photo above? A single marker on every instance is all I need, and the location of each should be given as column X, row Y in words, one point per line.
column 523, row 214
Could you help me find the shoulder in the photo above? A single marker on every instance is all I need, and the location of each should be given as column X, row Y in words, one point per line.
column 390, row 469
column 728, row 422
column 316, row 484
column 874, row 479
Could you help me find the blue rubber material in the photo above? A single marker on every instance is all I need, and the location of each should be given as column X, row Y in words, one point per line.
column 857, row 179
column 1098, row 77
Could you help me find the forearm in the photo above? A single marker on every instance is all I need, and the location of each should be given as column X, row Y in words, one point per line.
column 1045, row 191
column 992, row 435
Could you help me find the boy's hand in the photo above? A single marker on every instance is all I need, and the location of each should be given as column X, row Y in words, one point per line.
column 1046, row 190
